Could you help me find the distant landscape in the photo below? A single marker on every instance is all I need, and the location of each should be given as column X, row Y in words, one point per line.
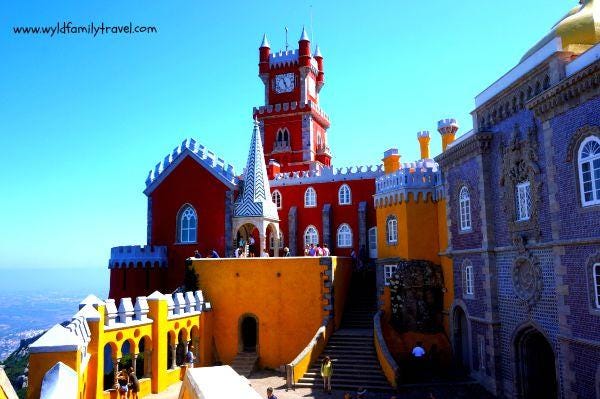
column 33, row 300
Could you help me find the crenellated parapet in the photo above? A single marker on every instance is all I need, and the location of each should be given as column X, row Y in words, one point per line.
column 324, row 175
column 207, row 158
column 419, row 179
column 275, row 109
column 138, row 256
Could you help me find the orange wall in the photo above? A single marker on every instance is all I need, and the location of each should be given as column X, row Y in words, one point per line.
column 285, row 294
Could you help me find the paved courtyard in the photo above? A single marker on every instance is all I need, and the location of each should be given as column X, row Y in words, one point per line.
column 261, row 380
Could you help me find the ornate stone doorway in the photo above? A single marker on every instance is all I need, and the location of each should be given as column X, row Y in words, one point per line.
column 535, row 362
column 462, row 347
column 248, row 334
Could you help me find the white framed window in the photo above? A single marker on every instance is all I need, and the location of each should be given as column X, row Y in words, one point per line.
column 272, row 240
column 344, row 236
column 589, row 171
column 597, row 284
column 373, row 242
column 392, row 230
column 310, row 198
column 276, row 197
column 311, row 235
column 464, row 200
column 344, row 195
column 282, row 139
column 188, row 225
column 469, row 279
column 388, row 273
column 523, row 199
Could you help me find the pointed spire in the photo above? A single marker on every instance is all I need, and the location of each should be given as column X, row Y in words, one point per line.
column 304, row 35
column 317, row 52
column 255, row 200
column 265, row 42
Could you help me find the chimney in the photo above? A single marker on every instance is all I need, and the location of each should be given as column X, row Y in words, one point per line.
column 273, row 169
column 448, row 129
column 423, row 137
column 391, row 161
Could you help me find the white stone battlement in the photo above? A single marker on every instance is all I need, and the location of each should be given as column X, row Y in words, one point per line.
column 284, row 57
column 413, row 175
column 134, row 256
column 206, row 157
column 327, row 175
column 291, row 106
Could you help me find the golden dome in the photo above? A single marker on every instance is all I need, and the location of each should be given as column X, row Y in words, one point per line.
column 579, row 29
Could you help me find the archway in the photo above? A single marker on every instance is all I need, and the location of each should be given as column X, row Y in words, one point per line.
column 248, row 333
column 460, row 340
column 535, row 362
column 248, row 237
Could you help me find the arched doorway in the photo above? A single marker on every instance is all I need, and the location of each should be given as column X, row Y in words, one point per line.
column 536, row 370
column 462, row 347
column 248, row 333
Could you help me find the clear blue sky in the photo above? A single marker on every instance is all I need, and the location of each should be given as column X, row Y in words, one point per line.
column 83, row 120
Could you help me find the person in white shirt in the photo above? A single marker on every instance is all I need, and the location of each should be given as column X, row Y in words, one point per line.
column 265, row 253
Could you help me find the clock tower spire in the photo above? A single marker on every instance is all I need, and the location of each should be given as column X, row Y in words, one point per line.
column 293, row 125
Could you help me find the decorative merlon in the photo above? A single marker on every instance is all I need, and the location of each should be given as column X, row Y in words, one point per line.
column 59, row 382
column 134, row 256
column 56, row 339
column 125, row 310
column 92, row 300
column 291, row 106
column 327, row 175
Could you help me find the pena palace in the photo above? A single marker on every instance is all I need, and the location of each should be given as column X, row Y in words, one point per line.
column 486, row 255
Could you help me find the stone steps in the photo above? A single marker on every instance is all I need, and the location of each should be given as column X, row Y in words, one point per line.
column 244, row 363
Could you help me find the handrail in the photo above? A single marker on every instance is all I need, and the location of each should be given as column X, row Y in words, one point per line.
column 388, row 364
column 302, row 362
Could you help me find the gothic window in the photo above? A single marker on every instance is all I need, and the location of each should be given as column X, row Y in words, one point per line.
column 468, row 278
column 344, row 195
column 388, row 272
column 344, row 236
column 311, row 236
column 464, row 201
column 276, row 197
column 310, row 198
column 392, row 229
column 188, row 224
column 282, row 139
column 546, row 82
column 523, row 201
column 597, row 285
column 589, row 171
column 272, row 240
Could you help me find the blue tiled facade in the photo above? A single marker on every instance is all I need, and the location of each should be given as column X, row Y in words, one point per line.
column 532, row 278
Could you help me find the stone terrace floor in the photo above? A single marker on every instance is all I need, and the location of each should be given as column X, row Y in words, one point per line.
column 261, row 380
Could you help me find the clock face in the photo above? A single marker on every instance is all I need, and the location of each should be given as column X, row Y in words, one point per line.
column 284, row 83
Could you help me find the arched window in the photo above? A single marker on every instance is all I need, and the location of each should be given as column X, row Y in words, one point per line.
column 188, row 225
column 311, row 235
column 310, row 197
column 282, row 139
column 589, row 171
column 344, row 236
column 468, row 278
column 344, row 195
column 464, row 201
column 392, row 229
column 276, row 197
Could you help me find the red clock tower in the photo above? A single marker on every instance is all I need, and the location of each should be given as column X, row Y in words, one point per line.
column 293, row 126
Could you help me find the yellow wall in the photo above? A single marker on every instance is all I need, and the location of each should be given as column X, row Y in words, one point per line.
column 40, row 363
column 285, row 294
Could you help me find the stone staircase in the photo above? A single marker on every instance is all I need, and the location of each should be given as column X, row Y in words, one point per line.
column 244, row 363
column 351, row 347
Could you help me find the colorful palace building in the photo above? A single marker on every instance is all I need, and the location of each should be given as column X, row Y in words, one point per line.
column 488, row 253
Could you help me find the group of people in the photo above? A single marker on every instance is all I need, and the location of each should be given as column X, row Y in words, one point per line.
column 212, row 254
column 127, row 382
column 316, row 250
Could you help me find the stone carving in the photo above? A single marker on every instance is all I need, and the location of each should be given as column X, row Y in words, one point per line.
column 527, row 279
column 520, row 164
column 416, row 296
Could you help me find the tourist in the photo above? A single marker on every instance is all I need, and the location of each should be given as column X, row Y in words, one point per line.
column 353, row 256
column 418, row 351
column 189, row 357
column 251, row 245
column 326, row 373
column 197, row 254
column 238, row 252
column 418, row 356
column 214, row 253
column 361, row 393
column 312, row 251
column 326, row 251
column 123, row 382
column 134, row 384
column 319, row 250
column 306, row 250
column 265, row 253
column 286, row 252
column 270, row 393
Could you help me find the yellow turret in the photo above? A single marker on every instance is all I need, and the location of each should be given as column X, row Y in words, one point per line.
column 579, row 29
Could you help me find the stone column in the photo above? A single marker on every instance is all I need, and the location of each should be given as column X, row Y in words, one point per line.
column 134, row 363
column 327, row 228
column 115, row 368
column 292, row 232
column 173, row 355
column 148, row 363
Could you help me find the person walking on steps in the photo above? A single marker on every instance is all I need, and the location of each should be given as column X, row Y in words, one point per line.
column 326, row 373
